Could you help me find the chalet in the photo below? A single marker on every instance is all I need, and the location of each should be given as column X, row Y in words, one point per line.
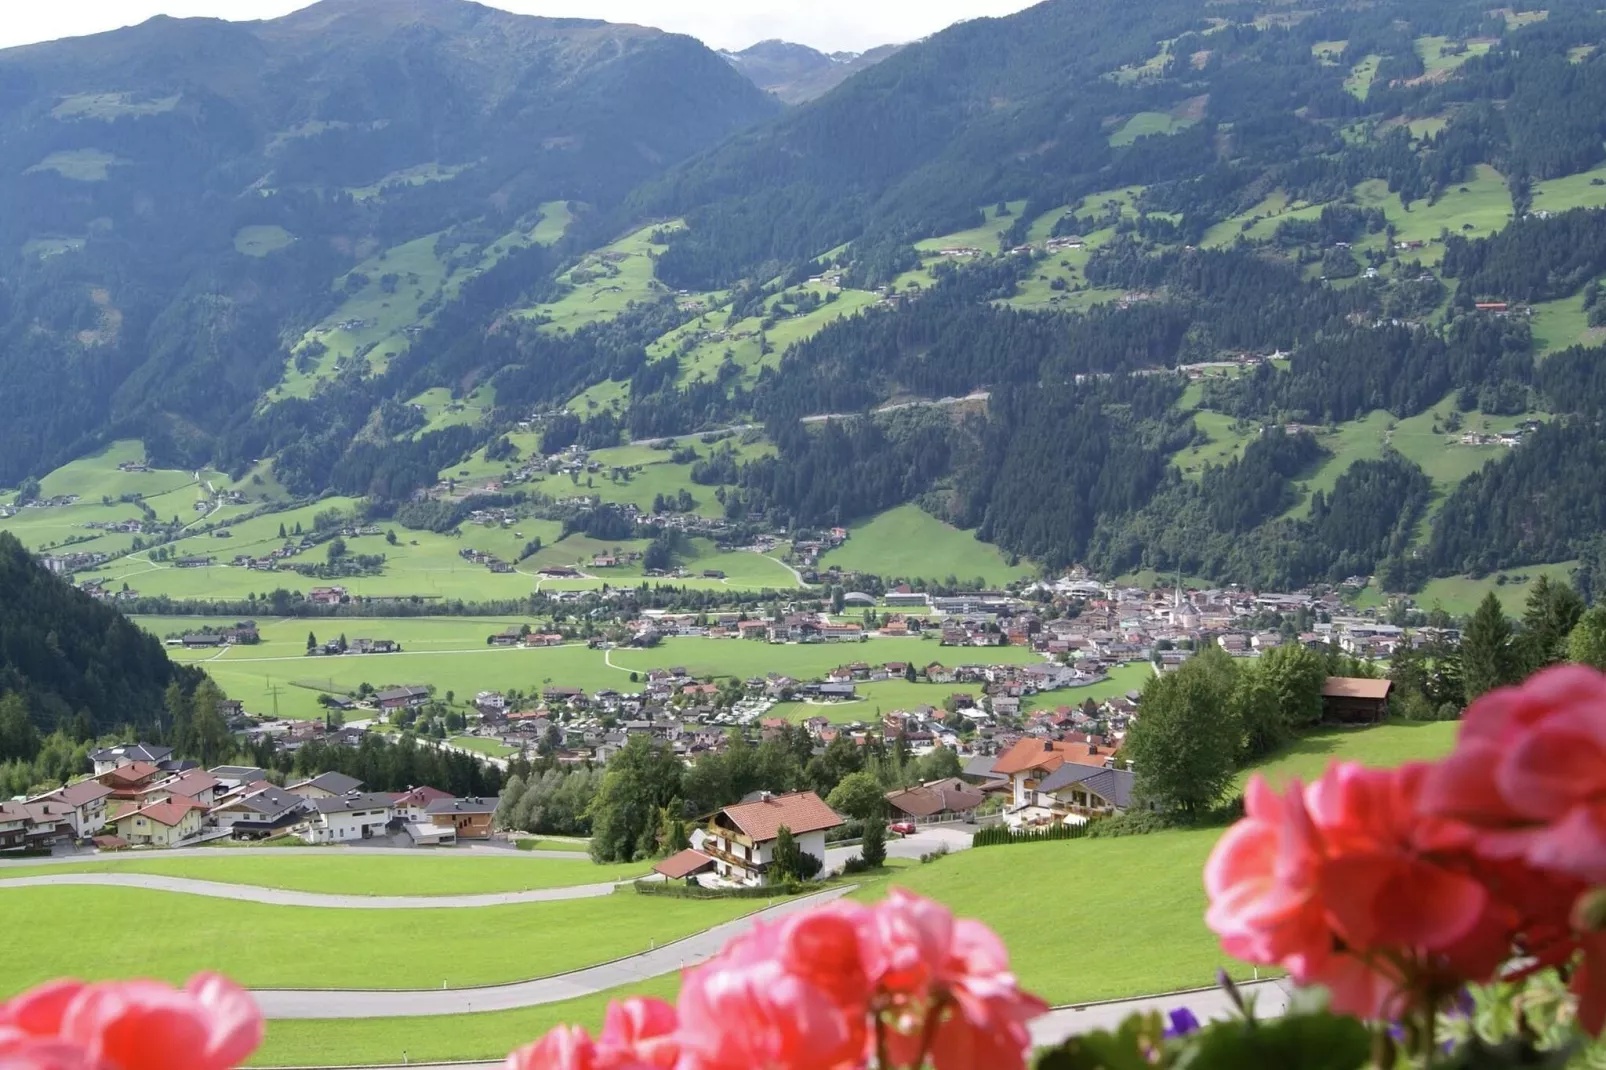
column 127, row 781
column 326, row 596
column 741, row 838
column 548, row 639
column 510, row 637
column 1351, row 700
column 1030, row 761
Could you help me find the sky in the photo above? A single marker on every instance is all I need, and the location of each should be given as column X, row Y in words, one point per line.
column 829, row 25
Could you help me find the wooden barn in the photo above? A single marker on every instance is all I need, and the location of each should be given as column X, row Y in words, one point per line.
column 1355, row 700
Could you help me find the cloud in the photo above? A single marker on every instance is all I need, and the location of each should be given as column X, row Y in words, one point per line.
column 831, row 25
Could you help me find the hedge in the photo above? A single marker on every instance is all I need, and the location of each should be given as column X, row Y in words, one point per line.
column 999, row 835
column 676, row 890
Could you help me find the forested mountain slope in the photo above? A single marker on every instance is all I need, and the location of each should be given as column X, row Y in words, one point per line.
column 67, row 655
column 1264, row 295
column 183, row 196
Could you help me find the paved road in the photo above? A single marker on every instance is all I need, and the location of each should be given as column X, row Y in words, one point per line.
column 284, row 897
column 926, row 839
column 1271, row 1000
column 589, row 981
column 478, row 850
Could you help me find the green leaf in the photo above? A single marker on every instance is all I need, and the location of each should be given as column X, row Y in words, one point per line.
column 1319, row 1041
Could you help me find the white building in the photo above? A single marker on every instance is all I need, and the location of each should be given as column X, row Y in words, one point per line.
column 339, row 818
column 86, row 806
column 741, row 839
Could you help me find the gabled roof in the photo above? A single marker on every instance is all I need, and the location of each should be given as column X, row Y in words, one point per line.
column 800, row 812
column 269, row 801
column 924, row 800
column 357, row 800
column 422, row 795
column 449, row 805
column 188, row 784
column 132, row 752
column 169, row 813
column 1113, row 785
column 132, row 773
column 1046, row 755
column 1355, row 687
column 82, row 793
column 333, row 783
column 684, row 864
column 245, row 774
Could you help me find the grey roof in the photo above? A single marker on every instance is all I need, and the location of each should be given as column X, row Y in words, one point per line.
column 333, row 783
column 245, row 774
column 134, row 752
column 271, row 802
column 1115, row 785
column 357, row 800
column 461, row 806
column 401, row 692
column 982, row 766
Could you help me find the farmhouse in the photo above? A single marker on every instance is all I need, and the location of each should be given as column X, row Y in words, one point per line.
column 741, row 838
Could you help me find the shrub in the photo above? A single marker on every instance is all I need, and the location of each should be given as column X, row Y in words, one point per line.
column 999, row 835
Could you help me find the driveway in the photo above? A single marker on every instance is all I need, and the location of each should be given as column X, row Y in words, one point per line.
column 294, row 1003
column 282, row 897
column 927, row 838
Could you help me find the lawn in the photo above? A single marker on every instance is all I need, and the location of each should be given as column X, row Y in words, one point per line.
column 484, row 746
column 340, row 873
column 168, row 936
column 1562, row 323
column 1359, row 81
column 1440, row 55
column 1379, row 745
column 608, row 281
column 1475, row 208
column 984, row 237
column 1587, row 189
column 537, row 844
column 910, row 543
column 746, row 658
column 1460, row 595
column 1227, row 441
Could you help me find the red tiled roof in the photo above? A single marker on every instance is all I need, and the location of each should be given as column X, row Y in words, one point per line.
column 1355, row 687
column 1048, row 756
column 82, row 793
column 132, row 773
column 422, row 795
column 801, row 811
column 684, row 864
column 924, row 800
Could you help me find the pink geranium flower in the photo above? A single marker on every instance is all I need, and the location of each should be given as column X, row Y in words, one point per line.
column 637, row 1034
column 1529, row 772
column 755, row 1015
column 209, row 1024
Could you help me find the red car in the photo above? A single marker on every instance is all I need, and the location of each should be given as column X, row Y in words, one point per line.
column 903, row 828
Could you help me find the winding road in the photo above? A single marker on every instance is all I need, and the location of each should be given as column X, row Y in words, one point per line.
column 284, row 897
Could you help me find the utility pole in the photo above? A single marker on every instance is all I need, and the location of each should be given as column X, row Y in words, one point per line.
column 273, row 690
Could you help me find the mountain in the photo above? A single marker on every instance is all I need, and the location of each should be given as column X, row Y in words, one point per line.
column 1259, row 295
column 182, row 195
column 797, row 73
column 63, row 652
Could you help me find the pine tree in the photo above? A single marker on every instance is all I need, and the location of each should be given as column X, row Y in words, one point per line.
column 874, row 851
column 1552, row 612
column 1488, row 659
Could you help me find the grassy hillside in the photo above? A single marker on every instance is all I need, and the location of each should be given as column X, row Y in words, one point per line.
column 910, row 543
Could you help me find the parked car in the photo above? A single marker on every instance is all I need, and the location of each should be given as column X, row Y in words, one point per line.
column 903, row 828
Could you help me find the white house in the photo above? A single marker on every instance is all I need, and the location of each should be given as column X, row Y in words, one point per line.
column 108, row 758
column 86, row 806
column 338, row 818
column 412, row 806
column 741, row 838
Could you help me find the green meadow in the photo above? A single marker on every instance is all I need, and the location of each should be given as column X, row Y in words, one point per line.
column 909, row 543
column 373, row 873
column 170, row 936
column 1460, row 595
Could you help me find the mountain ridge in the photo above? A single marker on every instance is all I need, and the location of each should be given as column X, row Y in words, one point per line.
column 797, row 73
